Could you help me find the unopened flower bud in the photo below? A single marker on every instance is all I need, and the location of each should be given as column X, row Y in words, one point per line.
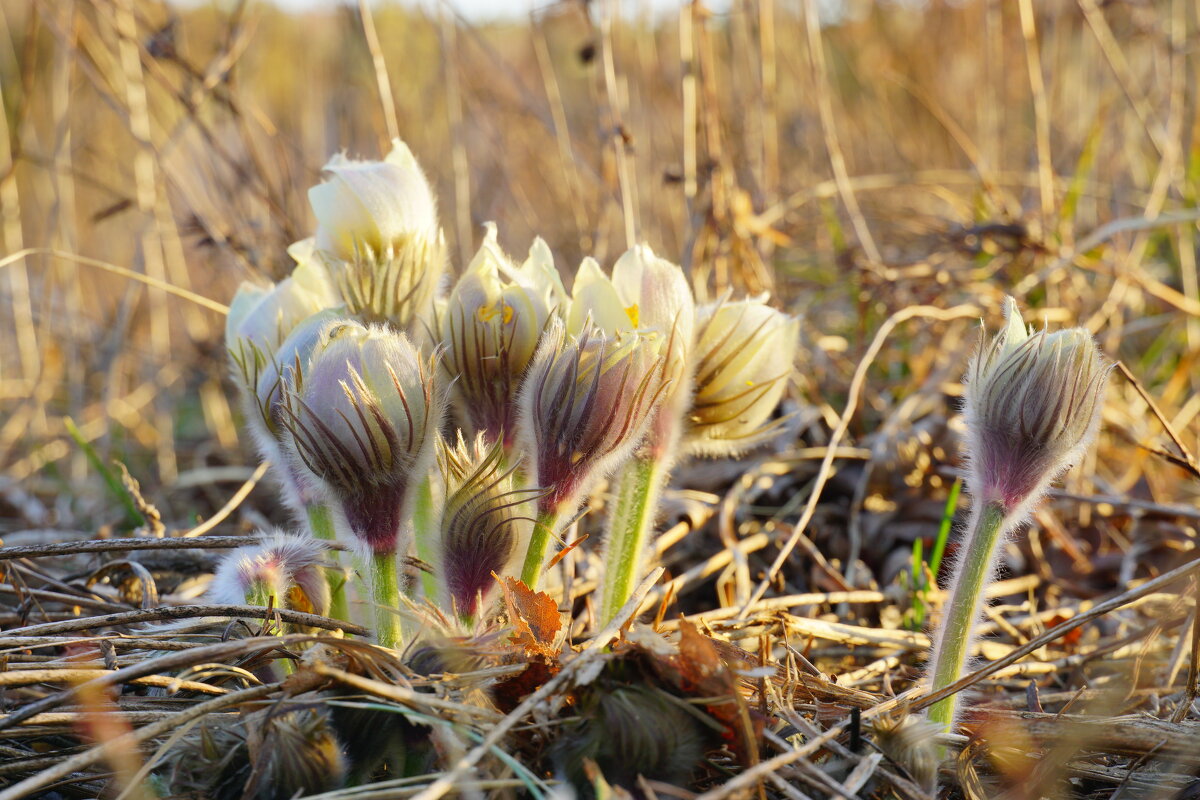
column 660, row 298
column 284, row 566
column 1032, row 406
column 585, row 404
column 491, row 325
column 377, row 229
column 479, row 533
column 364, row 424
column 744, row 355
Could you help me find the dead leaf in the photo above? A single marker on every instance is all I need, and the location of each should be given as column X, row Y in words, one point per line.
column 533, row 616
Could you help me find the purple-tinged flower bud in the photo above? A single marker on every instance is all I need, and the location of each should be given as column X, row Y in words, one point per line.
column 585, row 404
column 646, row 293
column 284, row 566
column 479, row 530
column 1032, row 406
column 491, row 325
column 378, row 233
column 744, row 355
column 363, row 423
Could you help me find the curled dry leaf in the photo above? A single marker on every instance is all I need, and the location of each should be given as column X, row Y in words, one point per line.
column 533, row 616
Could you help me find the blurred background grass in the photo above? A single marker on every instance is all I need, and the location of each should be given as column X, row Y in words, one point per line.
column 937, row 153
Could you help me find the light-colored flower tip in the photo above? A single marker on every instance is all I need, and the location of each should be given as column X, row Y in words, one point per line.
column 491, row 325
column 264, row 377
column 260, row 318
column 745, row 352
column 586, row 402
column 478, row 533
column 377, row 230
column 283, row 565
column 372, row 205
column 363, row 423
column 648, row 294
column 1032, row 406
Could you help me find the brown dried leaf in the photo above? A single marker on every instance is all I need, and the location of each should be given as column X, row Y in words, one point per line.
column 533, row 616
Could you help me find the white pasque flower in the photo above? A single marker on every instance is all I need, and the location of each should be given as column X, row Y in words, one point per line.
column 744, row 354
column 650, row 295
column 378, row 233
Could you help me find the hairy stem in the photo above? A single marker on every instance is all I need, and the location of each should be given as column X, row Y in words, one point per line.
column 632, row 519
column 539, row 542
column 425, row 536
column 320, row 522
column 385, row 596
column 952, row 644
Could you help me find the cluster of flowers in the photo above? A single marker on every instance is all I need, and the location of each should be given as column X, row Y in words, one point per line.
column 467, row 426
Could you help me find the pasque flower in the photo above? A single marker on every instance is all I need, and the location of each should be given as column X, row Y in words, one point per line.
column 283, row 566
column 261, row 317
column 649, row 295
column 377, row 230
column 586, row 402
column 491, row 325
column 479, row 530
column 744, row 354
column 1032, row 408
column 363, row 421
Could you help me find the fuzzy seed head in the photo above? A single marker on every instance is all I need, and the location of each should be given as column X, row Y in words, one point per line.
column 1032, row 406
column 745, row 352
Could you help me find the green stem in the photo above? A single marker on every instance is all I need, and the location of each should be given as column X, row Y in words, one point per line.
column 971, row 575
column 629, row 528
column 385, row 594
column 259, row 594
column 425, row 535
column 535, row 556
column 320, row 522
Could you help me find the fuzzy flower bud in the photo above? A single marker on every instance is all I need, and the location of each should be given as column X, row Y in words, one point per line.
column 479, row 534
column 1032, row 406
column 585, row 404
column 377, row 230
column 491, row 325
column 284, row 566
column 363, row 423
column 744, row 354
